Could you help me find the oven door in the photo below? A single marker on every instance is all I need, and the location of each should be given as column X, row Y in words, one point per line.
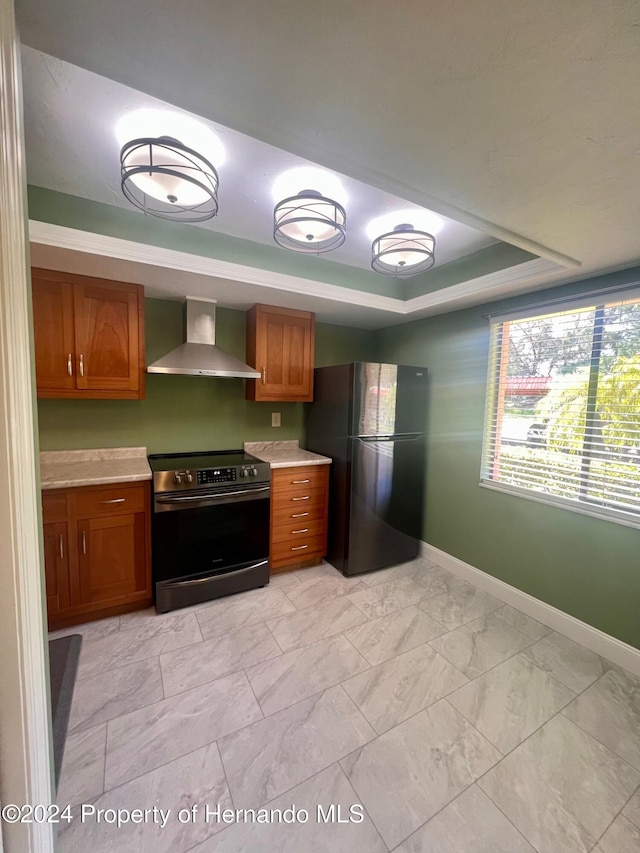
column 199, row 534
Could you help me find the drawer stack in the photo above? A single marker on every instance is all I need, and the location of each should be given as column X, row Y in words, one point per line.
column 299, row 499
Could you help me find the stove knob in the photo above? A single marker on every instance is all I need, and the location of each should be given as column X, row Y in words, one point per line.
column 189, row 477
column 243, row 472
column 254, row 472
column 177, row 478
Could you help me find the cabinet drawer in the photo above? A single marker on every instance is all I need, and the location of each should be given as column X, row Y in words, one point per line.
column 284, row 552
column 54, row 507
column 300, row 498
column 293, row 532
column 298, row 513
column 308, row 475
column 108, row 501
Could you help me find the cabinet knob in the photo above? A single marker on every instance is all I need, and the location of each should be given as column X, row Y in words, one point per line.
column 81, row 364
column 264, row 375
column 61, row 548
column 70, row 364
column 84, row 542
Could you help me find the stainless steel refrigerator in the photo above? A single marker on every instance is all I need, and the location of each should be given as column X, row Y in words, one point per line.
column 370, row 418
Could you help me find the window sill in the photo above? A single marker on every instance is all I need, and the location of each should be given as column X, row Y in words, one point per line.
column 627, row 519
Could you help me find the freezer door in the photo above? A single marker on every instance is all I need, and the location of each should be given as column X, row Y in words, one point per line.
column 388, row 399
column 387, row 501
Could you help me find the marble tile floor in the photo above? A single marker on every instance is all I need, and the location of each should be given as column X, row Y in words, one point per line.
column 439, row 718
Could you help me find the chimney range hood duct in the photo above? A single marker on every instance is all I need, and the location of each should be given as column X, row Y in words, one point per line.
column 199, row 356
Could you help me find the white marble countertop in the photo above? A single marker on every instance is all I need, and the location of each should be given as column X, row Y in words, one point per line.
column 61, row 469
column 284, row 454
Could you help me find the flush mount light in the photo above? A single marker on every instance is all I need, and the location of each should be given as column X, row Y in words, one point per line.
column 403, row 251
column 167, row 165
column 168, row 180
column 309, row 223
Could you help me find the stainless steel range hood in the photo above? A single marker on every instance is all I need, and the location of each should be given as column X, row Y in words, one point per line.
column 199, row 356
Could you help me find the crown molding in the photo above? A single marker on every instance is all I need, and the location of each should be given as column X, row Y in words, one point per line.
column 73, row 239
column 491, row 286
column 495, row 284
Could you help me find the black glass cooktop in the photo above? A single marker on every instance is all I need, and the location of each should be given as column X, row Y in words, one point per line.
column 206, row 459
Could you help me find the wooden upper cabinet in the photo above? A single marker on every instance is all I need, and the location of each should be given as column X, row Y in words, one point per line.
column 89, row 337
column 280, row 344
column 53, row 333
column 107, row 330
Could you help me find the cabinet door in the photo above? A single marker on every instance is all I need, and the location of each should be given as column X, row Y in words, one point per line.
column 56, row 567
column 284, row 346
column 107, row 337
column 53, row 335
column 112, row 553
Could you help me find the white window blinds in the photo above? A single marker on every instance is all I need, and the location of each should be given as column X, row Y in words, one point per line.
column 563, row 406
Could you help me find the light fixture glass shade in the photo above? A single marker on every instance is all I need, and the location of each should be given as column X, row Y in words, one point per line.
column 403, row 251
column 166, row 179
column 309, row 223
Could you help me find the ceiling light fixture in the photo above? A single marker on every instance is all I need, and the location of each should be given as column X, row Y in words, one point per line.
column 309, row 223
column 168, row 164
column 403, row 251
column 165, row 178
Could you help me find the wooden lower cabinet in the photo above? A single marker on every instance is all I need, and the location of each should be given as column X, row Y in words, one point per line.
column 299, row 500
column 56, row 566
column 96, row 551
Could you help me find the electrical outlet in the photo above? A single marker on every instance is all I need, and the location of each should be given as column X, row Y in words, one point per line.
column 275, row 419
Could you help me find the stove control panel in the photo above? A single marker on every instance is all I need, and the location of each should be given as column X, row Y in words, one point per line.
column 216, row 475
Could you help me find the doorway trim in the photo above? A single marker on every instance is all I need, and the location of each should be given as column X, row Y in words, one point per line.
column 25, row 741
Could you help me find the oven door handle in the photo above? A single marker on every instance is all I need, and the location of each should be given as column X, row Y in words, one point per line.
column 175, row 584
column 212, row 497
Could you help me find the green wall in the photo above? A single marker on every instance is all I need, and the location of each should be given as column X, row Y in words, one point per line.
column 189, row 412
column 587, row 567
column 130, row 224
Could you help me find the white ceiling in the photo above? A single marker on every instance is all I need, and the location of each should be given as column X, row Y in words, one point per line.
column 519, row 119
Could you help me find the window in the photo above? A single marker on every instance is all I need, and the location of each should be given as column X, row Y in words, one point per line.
column 563, row 406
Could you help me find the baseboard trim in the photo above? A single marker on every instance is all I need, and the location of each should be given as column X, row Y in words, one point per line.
column 592, row 638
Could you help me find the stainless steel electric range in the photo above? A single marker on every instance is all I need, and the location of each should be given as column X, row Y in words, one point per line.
column 210, row 526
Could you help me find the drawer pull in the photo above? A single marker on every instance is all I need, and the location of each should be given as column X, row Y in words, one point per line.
column 61, row 548
column 84, row 542
column 299, row 547
column 264, row 375
column 305, row 498
column 81, row 364
column 299, row 514
column 114, row 501
column 299, row 482
column 69, row 365
column 304, row 530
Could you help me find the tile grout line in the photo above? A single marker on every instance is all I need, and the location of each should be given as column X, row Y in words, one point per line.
column 264, row 716
column 275, row 639
column 226, row 778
